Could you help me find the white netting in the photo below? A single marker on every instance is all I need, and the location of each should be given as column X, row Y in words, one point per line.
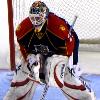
column 87, row 25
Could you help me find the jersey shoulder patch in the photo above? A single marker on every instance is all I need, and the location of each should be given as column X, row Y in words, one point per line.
column 23, row 28
column 57, row 26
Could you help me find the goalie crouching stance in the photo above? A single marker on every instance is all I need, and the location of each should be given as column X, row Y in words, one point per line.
column 46, row 43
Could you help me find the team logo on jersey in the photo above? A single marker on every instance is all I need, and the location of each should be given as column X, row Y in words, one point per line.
column 62, row 27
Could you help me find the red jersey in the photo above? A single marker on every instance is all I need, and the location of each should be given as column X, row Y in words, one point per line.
column 54, row 34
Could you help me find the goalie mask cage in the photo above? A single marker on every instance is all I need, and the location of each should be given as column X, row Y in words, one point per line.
column 87, row 25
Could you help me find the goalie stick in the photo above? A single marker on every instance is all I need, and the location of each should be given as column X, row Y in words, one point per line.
column 44, row 92
column 71, row 27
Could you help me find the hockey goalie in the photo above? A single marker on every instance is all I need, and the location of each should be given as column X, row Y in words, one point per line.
column 46, row 43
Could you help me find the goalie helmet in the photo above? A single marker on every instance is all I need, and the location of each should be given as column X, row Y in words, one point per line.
column 38, row 13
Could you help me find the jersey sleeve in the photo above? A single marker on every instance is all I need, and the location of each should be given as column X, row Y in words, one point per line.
column 59, row 27
column 23, row 28
column 21, row 31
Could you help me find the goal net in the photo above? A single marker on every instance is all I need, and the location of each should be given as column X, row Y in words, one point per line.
column 87, row 25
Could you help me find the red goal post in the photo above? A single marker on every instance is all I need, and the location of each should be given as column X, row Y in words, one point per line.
column 11, row 34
